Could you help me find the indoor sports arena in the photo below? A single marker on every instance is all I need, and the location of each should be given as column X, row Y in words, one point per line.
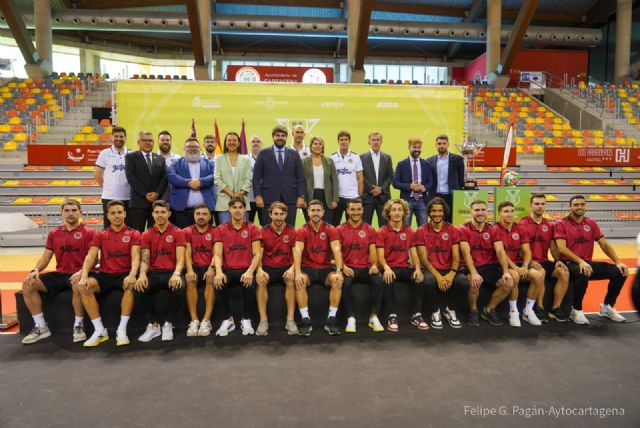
column 314, row 213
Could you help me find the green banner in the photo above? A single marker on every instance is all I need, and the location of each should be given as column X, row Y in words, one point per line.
column 518, row 195
column 461, row 201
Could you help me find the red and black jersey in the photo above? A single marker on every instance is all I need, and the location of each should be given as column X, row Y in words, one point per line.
column 201, row 245
column 162, row 246
column 278, row 248
column 480, row 243
column 317, row 245
column 438, row 243
column 580, row 237
column 396, row 245
column 115, row 249
column 70, row 247
column 355, row 244
column 540, row 237
column 237, row 252
column 512, row 240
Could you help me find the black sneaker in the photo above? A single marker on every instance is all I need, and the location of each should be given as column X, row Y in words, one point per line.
column 332, row 327
column 492, row 317
column 558, row 314
column 541, row 314
column 305, row 327
column 474, row 318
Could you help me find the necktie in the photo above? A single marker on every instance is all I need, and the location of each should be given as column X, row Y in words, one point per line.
column 148, row 157
column 416, row 195
column 280, row 160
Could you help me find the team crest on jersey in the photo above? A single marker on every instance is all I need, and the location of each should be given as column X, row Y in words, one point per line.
column 445, row 236
column 285, row 238
column 77, row 235
column 126, row 238
column 244, row 234
column 515, row 236
column 207, row 237
column 323, row 236
column 486, row 236
column 349, row 160
column 586, row 228
column 362, row 234
column 545, row 228
column 403, row 236
column 169, row 238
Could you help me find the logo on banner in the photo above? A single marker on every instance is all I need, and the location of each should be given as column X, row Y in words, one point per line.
column 126, row 238
column 470, row 196
column 513, row 195
column 77, row 157
column 623, row 155
column 291, row 123
column 169, row 238
column 313, row 75
column 247, row 75
column 270, row 104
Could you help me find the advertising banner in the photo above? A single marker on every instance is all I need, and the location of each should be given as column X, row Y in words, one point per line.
column 63, row 154
column 518, row 195
column 591, row 156
column 461, row 201
column 265, row 73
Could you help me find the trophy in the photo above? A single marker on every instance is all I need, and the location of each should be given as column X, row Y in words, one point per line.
column 469, row 150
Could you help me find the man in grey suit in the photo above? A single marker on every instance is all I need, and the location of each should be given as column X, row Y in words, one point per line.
column 378, row 176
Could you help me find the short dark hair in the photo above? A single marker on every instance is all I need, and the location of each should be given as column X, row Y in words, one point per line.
column 438, row 201
column 209, row 137
column 70, row 201
column 279, row 128
column 280, row 205
column 442, row 137
column 200, row 206
column 576, row 197
column 505, row 204
column 238, row 199
column 160, row 203
column 118, row 129
column 354, row 201
column 344, row 133
column 164, row 132
column 537, row 196
column 114, row 203
column 315, row 202
column 478, row 202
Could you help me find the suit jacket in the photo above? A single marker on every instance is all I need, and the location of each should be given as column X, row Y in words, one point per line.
column 270, row 183
column 179, row 175
column 456, row 173
column 224, row 178
column 143, row 182
column 385, row 177
column 330, row 180
column 403, row 178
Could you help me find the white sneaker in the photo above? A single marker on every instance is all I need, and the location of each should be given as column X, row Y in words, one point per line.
column 292, row 328
column 351, row 325
column 121, row 338
column 436, row 320
column 150, row 333
column 78, row 334
column 608, row 311
column 96, row 338
column 578, row 317
column 375, row 324
column 225, row 328
column 530, row 316
column 205, row 328
column 452, row 319
column 36, row 334
column 514, row 318
column 167, row 332
column 263, row 328
column 246, row 327
column 194, row 327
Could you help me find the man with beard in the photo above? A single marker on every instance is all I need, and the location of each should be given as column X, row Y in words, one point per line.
column 191, row 179
column 278, row 240
column 349, row 169
column 413, row 179
column 278, row 176
column 447, row 173
column 486, row 264
column 109, row 172
column 316, row 243
column 358, row 240
column 298, row 141
column 164, row 150
column 70, row 244
column 200, row 269
column 575, row 235
column 256, row 146
column 210, row 148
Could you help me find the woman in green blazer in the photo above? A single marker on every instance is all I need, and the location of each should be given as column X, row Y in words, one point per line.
column 321, row 178
column 232, row 176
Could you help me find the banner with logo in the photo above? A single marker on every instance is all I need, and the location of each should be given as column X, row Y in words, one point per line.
column 461, row 201
column 63, row 154
column 518, row 195
column 399, row 112
column 591, row 156
column 492, row 156
column 266, row 73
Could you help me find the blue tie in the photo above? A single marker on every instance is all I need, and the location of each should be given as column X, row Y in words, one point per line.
column 280, row 160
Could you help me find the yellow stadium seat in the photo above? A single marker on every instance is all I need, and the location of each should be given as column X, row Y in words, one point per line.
column 108, row 130
column 43, row 129
column 7, row 95
column 22, row 201
column 538, row 149
column 86, row 129
column 58, row 183
column 519, row 149
column 12, row 85
column 598, row 133
column 10, row 146
column 64, row 91
column 14, row 121
column 20, row 137
column 78, row 138
column 5, row 129
column 58, row 200
column 519, row 141
column 92, row 138
column 539, row 120
column 59, row 115
column 528, row 133
column 47, row 96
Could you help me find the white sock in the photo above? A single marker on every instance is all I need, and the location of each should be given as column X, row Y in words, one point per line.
column 304, row 312
column 332, row 311
column 38, row 320
column 513, row 305
column 97, row 324
column 124, row 320
column 79, row 321
column 530, row 303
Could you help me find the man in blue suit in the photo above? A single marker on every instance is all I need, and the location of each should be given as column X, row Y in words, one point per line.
column 278, row 176
column 447, row 174
column 413, row 179
column 191, row 179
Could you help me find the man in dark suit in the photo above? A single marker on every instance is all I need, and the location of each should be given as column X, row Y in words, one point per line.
column 447, row 174
column 191, row 179
column 147, row 176
column 278, row 176
column 413, row 179
column 378, row 176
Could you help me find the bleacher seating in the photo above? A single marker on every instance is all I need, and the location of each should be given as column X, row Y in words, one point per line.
column 622, row 101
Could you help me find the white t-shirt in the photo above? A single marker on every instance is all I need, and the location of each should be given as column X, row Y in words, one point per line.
column 347, row 166
column 115, row 184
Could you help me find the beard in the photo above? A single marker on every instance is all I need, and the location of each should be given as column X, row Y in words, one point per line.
column 192, row 157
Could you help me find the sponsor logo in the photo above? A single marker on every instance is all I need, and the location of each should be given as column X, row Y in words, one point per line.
column 285, row 238
column 403, row 236
column 244, row 234
column 515, row 236
column 169, row 238
column 387, row 105
column 445, row 236
column 513, row 195
column 116, row 254
column 77, row 235
column 199, row 102
column 247, row 75
column 486, row 236
column 291, row 123
column 65, row 249
column 545, row 228
column 586, row 228
column 623, row 155
column 332, row 104
column 126, row 238
column 323, row 236
column 77, row 157
column 270, row 104
column 314, row 75
column 362, row 234
column 207, row 237
column 115, row 168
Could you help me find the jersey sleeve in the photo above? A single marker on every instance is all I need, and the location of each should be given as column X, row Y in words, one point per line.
column 301, row 234
column 411, row 238
column 96, row 241
column 420, row 237
column 102, row 159
column 372, row 235
column 455, row 235
column 524, row 238
column 255, row 234
column 597, row 233
column 358, row 164
column 380, row 238
column 180, row 238
column 463, row 235
column 559, row 231
column 135, row 238
column 332, row 234
column 145, row 240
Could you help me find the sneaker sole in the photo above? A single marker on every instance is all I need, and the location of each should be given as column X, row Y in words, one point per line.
column 150, row 339
column 459, row 325
column 348, row 330
column 558, row 319
column 372, row 327
column 204, row 334
column 487, row 319
column 79, row 339
column 266, row 333
column 437, row 327
column 123, row 343
column 39, row 338
column 328, row 330
column 104, row 339
column 608, row 317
